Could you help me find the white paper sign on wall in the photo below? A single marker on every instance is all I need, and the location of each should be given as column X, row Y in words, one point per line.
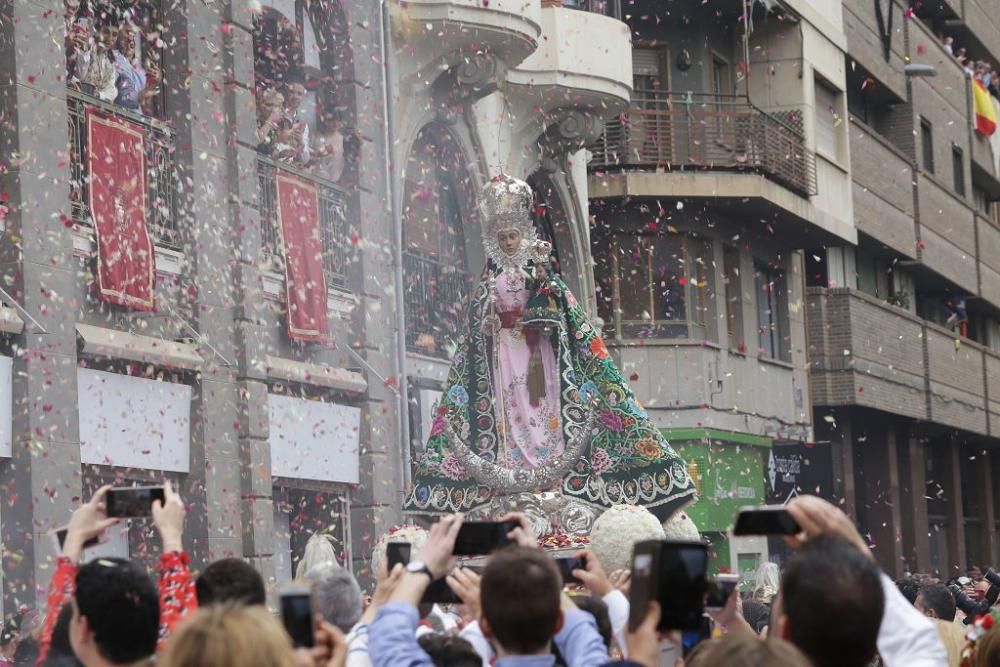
column 134, row 422
column 314, row 440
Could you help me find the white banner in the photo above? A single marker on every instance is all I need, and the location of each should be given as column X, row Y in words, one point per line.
column 314, row 440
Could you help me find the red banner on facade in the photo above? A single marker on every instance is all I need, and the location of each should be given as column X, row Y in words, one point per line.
column 116, row 163
column 305, row 285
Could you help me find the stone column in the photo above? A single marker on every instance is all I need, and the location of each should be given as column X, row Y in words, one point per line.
column 984, row 489
column 913, row 497
column 952, row 485
column 41, row 482
column 880, row 473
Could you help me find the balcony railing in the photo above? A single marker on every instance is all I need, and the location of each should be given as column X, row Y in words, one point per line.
column 695, row 131
column 612, row 8
column 434, row 300
column 332, row 220
column 161, row 178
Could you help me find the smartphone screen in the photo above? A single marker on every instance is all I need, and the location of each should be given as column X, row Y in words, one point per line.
column 438, row 591
column 131, row 502
column 397, row 553
column 719, row 591
column 683, row 566
column 645, row 580
column 297, row 615
column 566, row 567
column 765, row 520
column 478, row 538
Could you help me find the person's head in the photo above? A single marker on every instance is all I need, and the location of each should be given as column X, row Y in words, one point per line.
column 599, row 610
column 338, row 596
column 116, row 613
column 509, row 240
column 126, row 39
column 107, row 31
column 230, row 580
column 449, row 651
column 949, row 40
column 829, row 578
column 973, row 572
column 270, row 101
column 909, row 587
column 71, row 7
column 979, row 590
column 520, row 593
column 295, row 90
column 936, row 601
column 766, row 581
column 229, row 635
column 741, row 650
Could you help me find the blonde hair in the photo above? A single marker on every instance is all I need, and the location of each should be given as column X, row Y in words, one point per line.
column 953, row 638
column 229, row 636
column 739, row 650
column 319, row 549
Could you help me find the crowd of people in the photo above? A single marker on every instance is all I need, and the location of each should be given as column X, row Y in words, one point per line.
column 111, row 53
column 982, row 71
column 832, row 606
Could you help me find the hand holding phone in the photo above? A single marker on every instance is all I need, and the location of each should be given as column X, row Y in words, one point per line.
column 479, row 538
column 566, row 566
column 720, row 589
column 673, row 574
column 88, row 521
column 133, row 501
column 438, row 591
column 298, row 613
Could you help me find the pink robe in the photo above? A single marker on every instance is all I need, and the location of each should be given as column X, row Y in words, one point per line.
column 533, row 433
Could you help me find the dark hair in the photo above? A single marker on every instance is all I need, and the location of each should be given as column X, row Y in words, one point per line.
column 27, row 652
column 230, row 580
column 60, row 632
column 757, row 614
column 833, row 600
column 909, row 587
column 940, row 599
column 599, row 610
column 520, row 592
column 122, row 608
column 450, row 651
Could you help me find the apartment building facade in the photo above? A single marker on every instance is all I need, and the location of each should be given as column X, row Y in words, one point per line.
column 732, row 158
column 903, row 341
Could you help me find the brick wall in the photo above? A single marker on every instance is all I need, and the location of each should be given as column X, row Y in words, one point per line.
column 865, row 45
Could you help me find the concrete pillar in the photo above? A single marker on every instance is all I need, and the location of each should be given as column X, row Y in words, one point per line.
column 913, row 505
column 41, row 482
column 984, row 489
column 879, row 472
column 952, row 486
column 842, row 461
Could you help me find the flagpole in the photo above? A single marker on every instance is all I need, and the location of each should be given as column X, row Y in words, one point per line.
column 10, row 300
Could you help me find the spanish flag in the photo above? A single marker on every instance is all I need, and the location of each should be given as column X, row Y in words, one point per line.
column 986, row 116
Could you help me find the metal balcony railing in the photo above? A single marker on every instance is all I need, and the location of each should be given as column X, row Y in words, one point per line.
column 698, row 131
column 332, row 220
column 162, row 180
column 434, row 298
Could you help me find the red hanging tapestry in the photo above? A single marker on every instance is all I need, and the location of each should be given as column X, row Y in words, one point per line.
column 305, row 285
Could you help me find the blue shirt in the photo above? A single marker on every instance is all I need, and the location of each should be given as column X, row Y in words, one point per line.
column 392, row 641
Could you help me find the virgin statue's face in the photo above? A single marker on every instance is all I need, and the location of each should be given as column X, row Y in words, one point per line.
column 509, row 241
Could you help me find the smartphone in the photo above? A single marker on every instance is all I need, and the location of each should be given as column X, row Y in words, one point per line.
column 691, row 638
column 719, row 590
column 59, row 535
column 133, row 501
column 478, row 538
column 298, row 613
column 566, row 567
column 438, row 591
column 672, row 573
column 765, row 520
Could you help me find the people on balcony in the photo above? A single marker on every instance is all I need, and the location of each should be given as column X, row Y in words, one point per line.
column 100, row 77
column 130, row 74
column 294, row 114
column 270, row 114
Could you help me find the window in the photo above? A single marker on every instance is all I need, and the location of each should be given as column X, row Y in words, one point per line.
column 434, row 268
column 927, row 145
column 958, row 169
column 734, row 297
column 983, row 201
column 655, row 286
column 828, row 119
column 873, row 274
column 772, row 311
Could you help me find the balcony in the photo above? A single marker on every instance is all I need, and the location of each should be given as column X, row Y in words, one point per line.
column 332, row 221
column 434, row 298
column 431, row 31
column 868, row 353
column 162, row 181
column 584, row 59
column 686, row 131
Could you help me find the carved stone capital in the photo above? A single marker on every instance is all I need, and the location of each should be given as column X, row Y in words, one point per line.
column 472, row 79
column 567, row 131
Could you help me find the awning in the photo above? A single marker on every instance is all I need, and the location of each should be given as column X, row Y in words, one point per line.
column 733, row 437
column 10, row 321
column 102, row 342
column 316, row 374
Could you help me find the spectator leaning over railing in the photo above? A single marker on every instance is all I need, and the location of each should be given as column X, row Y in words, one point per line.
column 87, row 587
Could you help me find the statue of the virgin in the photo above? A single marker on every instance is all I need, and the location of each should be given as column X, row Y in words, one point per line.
column 534, row 404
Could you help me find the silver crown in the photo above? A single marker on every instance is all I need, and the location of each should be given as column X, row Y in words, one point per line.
column 506, row 202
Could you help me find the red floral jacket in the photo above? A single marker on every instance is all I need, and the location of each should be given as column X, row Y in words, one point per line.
column 177, row 596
